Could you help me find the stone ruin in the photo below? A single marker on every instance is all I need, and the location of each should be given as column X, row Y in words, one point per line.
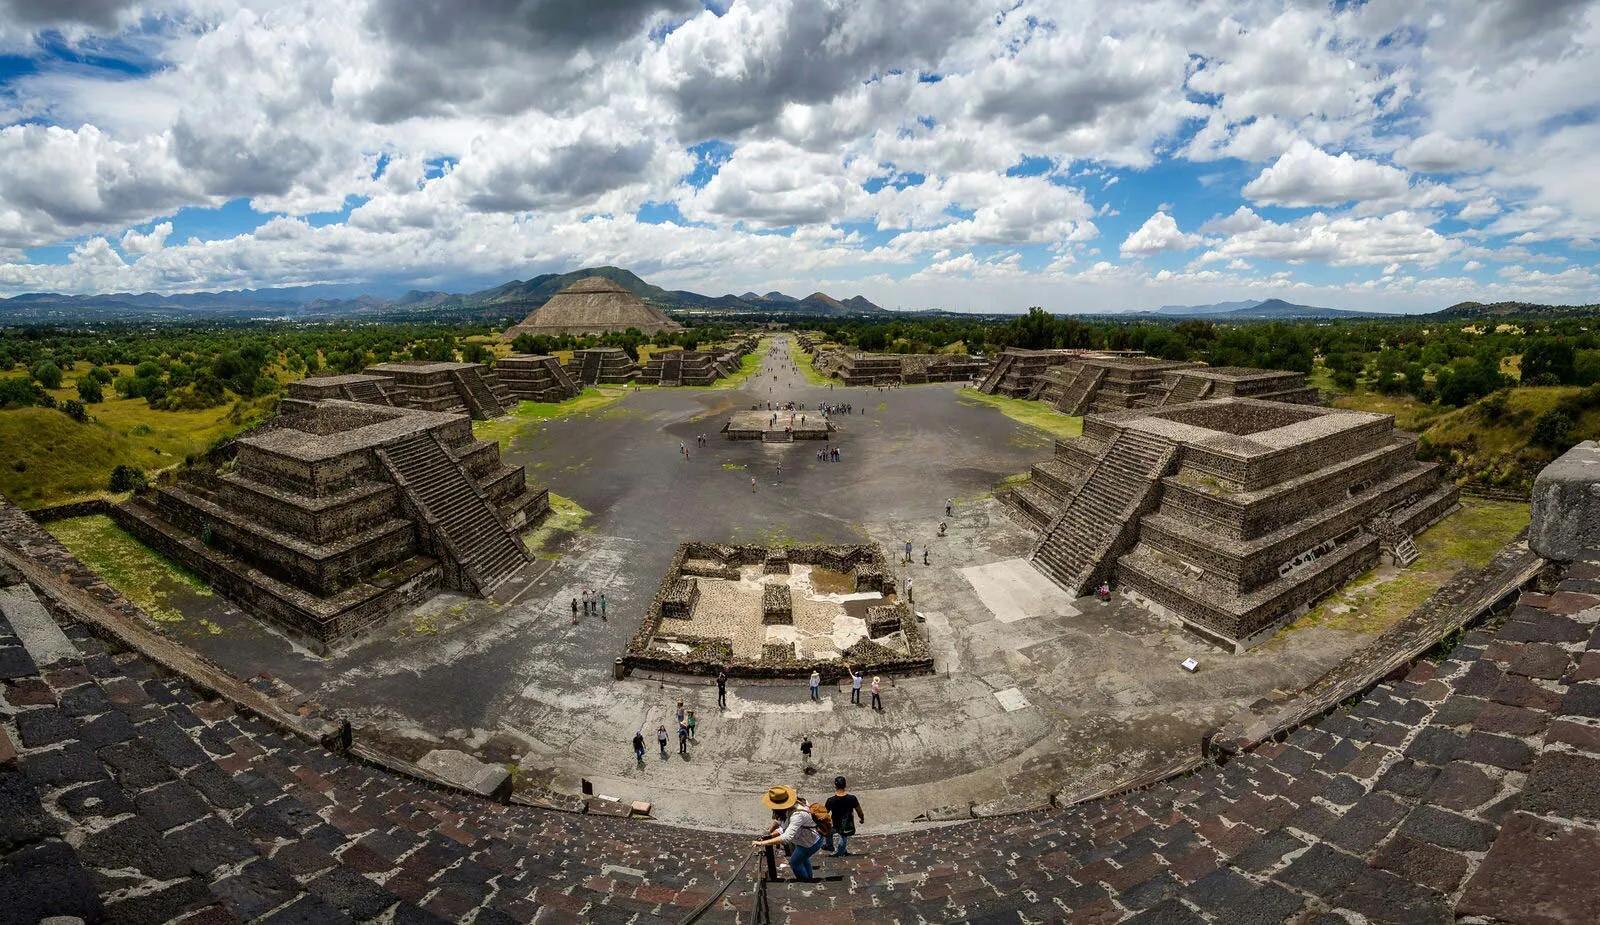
column 1197, row 382
column 602, row 366
column 451, row 388
column 778, row 612
column 1230, row 514
column 681, row 367
column 1019, row 373
column 529, row 377
column 757, row 424
column 1100, row 383
column 308, row 393
column 856, row 368
column 332, row 518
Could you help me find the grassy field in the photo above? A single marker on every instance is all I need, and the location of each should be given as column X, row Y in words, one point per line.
column 566, row 517
column 128, row 565
column 1377, row 599
column 503, row 429
column 803, row 361
column 1032, row 413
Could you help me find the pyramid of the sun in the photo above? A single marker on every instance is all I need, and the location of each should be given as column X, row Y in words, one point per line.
column 593, row 305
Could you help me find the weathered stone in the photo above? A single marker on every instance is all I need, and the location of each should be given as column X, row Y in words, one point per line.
column 1566, row 506
column 461, row 769
column 1565, row 785
column 1537, row 871
column 1422, row 862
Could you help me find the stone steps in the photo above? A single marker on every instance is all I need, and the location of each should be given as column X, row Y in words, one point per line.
column 1099, row 512
column 475, row 531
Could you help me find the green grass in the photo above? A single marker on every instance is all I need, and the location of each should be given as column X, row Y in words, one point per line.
column 1035, row 414
column 1379, row 598
column 566, row 516
column 142, row 575
column 802, row 360
column 503, row 429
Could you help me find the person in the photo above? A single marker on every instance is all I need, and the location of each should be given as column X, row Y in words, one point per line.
column 855, row 686
column 816, row 686
column 574, row 610
column 638, row 746
column 949, row 507
column 1104, row 592
column 794, row 828
column 680, row 713
column 722, row 689
column 908, row 550
column 877, row 702
column 661, row 737
column 941, row 528
column 924, row 562
column 752, row 484
column 908, row 592
column 683, row 738
column 805, row 751
column 603, row 596
column 846, row 811
column 691, row 724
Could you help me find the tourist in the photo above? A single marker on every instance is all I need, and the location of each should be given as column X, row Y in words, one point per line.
column 855, row 686
column 722, row 689
column 793, row 827
column 683, row 738
column 603, row 596
column 845, row 810
column 909, row 599
column 805, row 752
column 752, row 484
column 877, row 701
column 908, row 556
column 638, row 746
column 681, row 713
column 574, row 610
column 691, row 724
column 949, row 507
column 661, row 736
column 816, row 685
column 1104, row 592
column 941, row 528
column 924, row 555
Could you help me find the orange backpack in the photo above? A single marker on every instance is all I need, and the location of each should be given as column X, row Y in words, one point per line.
column 823, row 819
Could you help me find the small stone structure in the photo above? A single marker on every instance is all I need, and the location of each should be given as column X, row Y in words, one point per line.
column 759, row 425
column 1198, row 382
column 1018, row 373
column 1566, row 504
column 530, row 377
column 332, row 518
column 681, row 367
column 452, row 388
column 1232, row 514
column 758, row 612
column 306, row 393
column 1100, row 383
column 602, row 366
column 856, row 368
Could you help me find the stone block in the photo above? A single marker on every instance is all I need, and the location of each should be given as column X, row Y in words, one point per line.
column 468, row 773
column 1566, row 504
column 1537, row 871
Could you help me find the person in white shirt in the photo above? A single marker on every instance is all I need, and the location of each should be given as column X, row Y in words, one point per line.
column 855, row 686
column 793, row 827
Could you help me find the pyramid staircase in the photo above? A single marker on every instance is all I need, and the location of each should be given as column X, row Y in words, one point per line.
column 368, row 392
column 1076, row 395
column 472, row 533
column 1098, row 522
column 480, row 399
column 1002, row 365
column 1394, row 540
column 1188, row 389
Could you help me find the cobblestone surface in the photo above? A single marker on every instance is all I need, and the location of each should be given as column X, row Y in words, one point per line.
column 1465, row 789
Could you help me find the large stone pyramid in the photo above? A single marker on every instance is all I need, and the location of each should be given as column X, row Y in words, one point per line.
column 593, row 305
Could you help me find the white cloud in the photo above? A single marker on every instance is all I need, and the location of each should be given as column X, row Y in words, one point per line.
column 135, row 243
column 1308, row 176
column 1436, row 152
column 1402, row 237
column 1158, row 234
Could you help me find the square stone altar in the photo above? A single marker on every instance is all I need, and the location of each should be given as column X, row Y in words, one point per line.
column 779, row 612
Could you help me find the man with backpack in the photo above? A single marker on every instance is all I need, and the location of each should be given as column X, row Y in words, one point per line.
column 843, row 811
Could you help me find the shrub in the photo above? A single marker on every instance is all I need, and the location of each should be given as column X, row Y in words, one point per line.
column 89, row 391
column 74, row 409
column 127, row 478
column 17, row 392
column 48, row 374
column 1555, row 430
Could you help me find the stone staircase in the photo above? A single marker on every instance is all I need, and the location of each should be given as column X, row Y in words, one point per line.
column 367, row 392
column 1396, row 541
column 1075, row 397
column 482, row 400
column 1002, row 365
column 1187, row 389
column 1094, row 525
column 480, row 542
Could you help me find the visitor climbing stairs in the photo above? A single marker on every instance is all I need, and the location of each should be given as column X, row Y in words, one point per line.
column 1075, row 397
column 478, row 394
column 488, row 551
column 1093, row 526
column 1187, row 389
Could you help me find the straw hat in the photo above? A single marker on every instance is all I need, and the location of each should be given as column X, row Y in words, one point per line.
column 779, row 797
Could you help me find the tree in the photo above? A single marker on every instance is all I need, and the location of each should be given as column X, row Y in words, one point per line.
column 48, row 374
column 74, row 409
column 1554, row 429
column 17, row 392
column 89, row 391
column 127, row 478
column 1551, row 360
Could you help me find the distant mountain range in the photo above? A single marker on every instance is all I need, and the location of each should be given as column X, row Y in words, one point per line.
column 312, row 302
column 1258, row 310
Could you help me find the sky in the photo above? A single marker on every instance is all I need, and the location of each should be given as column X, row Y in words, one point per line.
column 1391, row 155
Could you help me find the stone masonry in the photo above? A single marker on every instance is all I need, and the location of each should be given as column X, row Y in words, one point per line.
column 1229, row 514
column 535, row 378
column 335, row 517
column 459, row 388
column 602, row 366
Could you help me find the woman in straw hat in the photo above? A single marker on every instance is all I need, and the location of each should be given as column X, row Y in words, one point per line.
column 792, row 826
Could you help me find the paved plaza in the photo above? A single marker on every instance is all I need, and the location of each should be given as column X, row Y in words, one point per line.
column 1035, row 694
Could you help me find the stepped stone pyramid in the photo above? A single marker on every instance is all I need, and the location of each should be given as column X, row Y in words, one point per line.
column 602, row 366
column 594, row 305
column 462, row 388
column 535, row 378
column 154, row 789
column 335, row 517
column 307, row 393
column 1229, row 513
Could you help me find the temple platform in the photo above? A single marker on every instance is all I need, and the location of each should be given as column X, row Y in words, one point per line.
column 759, row 425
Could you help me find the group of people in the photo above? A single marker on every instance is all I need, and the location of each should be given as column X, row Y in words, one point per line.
column 804, row 828
column 686, row 724
column 845, row 408
column 592, row 604
column 855, row 688
column 828, row 454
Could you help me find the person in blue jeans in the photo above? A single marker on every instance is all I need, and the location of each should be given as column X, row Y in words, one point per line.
column 792, row 827
column 846, row 811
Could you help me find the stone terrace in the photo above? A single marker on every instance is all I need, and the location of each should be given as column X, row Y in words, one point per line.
column 1463, row 790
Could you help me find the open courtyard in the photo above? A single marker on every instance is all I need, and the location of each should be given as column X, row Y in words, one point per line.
column 1033, row 694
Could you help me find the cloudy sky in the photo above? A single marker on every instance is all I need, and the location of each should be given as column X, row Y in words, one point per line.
column 967, row 154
